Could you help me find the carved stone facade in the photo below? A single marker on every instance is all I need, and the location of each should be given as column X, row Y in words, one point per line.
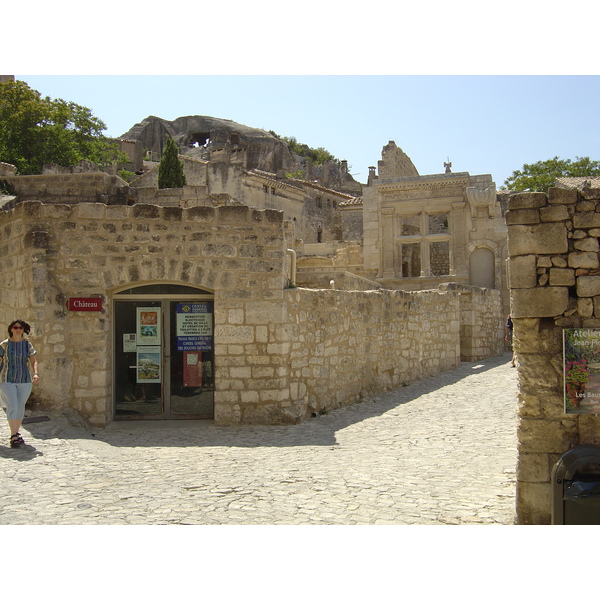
column 420, row 231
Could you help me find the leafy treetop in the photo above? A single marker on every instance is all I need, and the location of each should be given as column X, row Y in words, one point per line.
column 539, row 176
column 36, row 130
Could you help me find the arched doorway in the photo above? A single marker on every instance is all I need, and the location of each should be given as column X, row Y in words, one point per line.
column 482, row 268
column 163, row 353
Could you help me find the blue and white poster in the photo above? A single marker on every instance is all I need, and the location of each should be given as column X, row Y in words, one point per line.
column 194, row 326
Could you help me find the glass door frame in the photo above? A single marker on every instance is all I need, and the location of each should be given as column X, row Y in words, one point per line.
column 165, row 301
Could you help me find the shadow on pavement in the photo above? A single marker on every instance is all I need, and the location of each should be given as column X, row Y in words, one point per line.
column 317, row 431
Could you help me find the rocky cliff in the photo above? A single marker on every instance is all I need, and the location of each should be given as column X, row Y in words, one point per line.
column 197, row 136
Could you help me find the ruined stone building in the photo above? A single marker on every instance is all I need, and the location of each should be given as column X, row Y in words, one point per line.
column 251, row 295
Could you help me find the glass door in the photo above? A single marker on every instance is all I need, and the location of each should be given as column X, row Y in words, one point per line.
column 163, row 361
column 191, row 383
column 138, row 364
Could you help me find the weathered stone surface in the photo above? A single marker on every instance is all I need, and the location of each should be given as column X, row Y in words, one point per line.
column 539, row 302
column 585, row 307
column 522, row 271
column 527, row 200
column 588, row 244
column 562, row 277
column 586, row 220
column 562, row 196
column 558, row 261
column 584, row 260
column 554, row 213
column 529, row 216
column 545, row 238
column 546, row 435
column 588, row 286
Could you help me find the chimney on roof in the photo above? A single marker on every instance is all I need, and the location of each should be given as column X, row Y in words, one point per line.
column 372, row 175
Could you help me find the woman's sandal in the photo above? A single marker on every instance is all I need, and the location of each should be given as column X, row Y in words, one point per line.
column 16, row 440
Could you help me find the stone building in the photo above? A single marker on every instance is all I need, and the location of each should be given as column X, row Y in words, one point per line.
column 157, row 312
column 421, row 231
column 247, row 296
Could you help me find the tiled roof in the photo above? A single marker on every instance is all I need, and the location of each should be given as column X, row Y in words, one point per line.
column 577, row 182
column 353, row 201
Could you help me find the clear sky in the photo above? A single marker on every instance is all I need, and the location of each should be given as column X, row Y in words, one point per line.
column 482, row 123
column 489, row 87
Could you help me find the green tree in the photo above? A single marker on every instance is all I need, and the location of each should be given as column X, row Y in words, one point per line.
column 539, row 176
column 170, row 169
column 35, row 131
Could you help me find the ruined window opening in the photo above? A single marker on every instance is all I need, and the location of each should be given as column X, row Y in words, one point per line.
column 234, row 138
column 410, row 225
column 438, row 223
column 273, row 191
column 319, row 202
column 266, row 189
column 411, row 260
column 200, row 139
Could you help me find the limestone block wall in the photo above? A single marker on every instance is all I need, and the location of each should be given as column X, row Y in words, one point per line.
column 553, row 278
column 280, row 354
column 481, row 321
column 345, row 346
column 53, row 252
column 71, row 188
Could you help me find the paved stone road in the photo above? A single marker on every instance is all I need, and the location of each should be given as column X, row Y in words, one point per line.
column 440, row 451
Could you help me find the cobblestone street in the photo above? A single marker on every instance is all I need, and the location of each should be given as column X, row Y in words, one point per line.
column 439, row 451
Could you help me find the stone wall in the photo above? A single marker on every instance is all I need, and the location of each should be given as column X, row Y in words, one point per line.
column 481, row 321
column 554, row 284
column 345, row 346
column 54, row 251
column 71, row 188
column 280, row 354
column 322, row 349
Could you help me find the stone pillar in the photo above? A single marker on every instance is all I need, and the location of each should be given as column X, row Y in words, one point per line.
column 388, row 243
column 553, row 269
column 458, row 265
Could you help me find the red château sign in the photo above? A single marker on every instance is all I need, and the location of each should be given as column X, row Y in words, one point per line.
column 86, row 304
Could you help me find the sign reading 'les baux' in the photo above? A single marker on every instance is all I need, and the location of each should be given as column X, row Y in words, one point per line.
column 87, row 304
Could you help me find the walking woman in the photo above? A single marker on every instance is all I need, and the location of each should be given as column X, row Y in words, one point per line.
column 15, row 379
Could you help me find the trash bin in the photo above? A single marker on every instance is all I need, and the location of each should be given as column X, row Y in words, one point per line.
column 576, row 487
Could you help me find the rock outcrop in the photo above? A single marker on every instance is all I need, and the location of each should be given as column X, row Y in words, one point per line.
column 198, row 136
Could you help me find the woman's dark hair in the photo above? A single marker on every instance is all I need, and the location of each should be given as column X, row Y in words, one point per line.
column 26, row 326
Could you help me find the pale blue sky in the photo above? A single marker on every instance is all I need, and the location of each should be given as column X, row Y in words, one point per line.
column 489, row 87
column 483, row 124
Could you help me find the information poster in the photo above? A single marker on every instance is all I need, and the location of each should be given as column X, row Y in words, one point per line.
column 129, row 342
column 194, row 326
column 192, row 369
column 581, row 360
column 148, row 365
column 148, row 326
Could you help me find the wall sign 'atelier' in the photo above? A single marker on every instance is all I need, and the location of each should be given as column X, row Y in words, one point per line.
column 582, row 371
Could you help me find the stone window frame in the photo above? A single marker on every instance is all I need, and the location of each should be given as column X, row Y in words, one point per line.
column 424, row 239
